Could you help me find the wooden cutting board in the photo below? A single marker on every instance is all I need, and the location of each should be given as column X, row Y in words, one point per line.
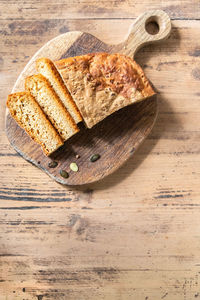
column 117, row 137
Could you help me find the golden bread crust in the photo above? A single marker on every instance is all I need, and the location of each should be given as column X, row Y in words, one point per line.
column 49, row 101
column 28, row 114
column 102, row 83
column 47, row 68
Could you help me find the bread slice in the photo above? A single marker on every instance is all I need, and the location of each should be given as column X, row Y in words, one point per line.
column 48, row 100
column 47, row 68
column 103, row 83
column 28, row 114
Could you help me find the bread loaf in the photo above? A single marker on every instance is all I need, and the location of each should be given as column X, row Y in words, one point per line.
column 103, row 83
column 28, row 114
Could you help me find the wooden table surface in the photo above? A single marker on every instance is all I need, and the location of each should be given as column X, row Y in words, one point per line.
column 136, row 234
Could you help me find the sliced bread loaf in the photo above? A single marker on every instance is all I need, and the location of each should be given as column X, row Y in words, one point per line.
column 28, row 114
column 47, row 68
column 49, row 101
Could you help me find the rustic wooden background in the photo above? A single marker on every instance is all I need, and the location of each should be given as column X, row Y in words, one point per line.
column 136, row 234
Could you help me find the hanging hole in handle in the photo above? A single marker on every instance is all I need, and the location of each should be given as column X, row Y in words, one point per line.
column 152, row 25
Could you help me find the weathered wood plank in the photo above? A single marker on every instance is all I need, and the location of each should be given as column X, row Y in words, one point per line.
column 80, row 253
column 74, row 9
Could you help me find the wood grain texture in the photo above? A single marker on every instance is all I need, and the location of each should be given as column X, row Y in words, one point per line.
column 115, row 144
column 135, row 233
column 139, row 36
column 76, row 9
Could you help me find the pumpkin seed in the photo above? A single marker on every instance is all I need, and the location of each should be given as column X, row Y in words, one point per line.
column 52, row 164
column 64, row 174
column 94, row 157
column 77, row 156
column 74, row 167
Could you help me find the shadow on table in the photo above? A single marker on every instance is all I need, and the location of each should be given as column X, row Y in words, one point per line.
column 166, row 121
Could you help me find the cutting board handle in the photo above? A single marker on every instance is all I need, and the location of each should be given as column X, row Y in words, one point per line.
column 138, row 35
